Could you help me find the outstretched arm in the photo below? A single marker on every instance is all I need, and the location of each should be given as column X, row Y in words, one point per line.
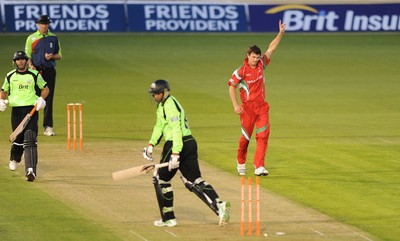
column 274, row 43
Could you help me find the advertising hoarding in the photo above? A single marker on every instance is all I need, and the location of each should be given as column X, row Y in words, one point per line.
column 187, row 18
column 325, row 18
column 149, row 16
column 67, row 17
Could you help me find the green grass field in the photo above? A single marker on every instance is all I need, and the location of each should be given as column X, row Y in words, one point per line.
column 335, row 118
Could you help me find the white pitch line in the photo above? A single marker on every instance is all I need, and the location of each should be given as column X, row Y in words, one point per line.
column 362, row 236
column 171, row 233
column 138, row 235
column 318, row 232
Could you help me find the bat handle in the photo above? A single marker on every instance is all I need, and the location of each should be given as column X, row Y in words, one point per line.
column 33, row 110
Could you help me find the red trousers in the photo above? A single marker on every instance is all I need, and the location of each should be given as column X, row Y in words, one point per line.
column 254, row 114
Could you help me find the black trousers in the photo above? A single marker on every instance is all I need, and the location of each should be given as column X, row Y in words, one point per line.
column 49, row 75
column 189, row 164
column 189, row 167
column 17, row 115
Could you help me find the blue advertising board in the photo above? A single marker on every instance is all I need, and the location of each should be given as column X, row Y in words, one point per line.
column 187, row 18
column 67, row 17
column 148, row 16
column 325, row 18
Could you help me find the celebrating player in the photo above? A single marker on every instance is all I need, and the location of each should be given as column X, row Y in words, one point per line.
column 254, row 110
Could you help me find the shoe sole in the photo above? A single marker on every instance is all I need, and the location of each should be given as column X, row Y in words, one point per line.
column 165, row 225
column 30, row 177
column 13, row 166
column 225, row 221
column 242, row 173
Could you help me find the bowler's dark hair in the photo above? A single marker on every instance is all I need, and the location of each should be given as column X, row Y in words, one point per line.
column 254, row 49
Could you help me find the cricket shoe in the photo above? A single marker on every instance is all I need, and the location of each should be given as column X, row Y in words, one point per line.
column 241, row 168
column 13, row 165
column 168, row 223
column 223, row 213
column 30, row 175
column 48, row 131
column 261, row 171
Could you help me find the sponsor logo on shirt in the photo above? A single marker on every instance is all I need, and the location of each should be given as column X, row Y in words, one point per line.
column 254, row 80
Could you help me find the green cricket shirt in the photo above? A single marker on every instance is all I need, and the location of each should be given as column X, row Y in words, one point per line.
column 171, row 123
column 22, row 86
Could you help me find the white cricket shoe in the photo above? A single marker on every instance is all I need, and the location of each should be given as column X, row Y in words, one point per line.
column 48, row 131
column 168, row 223
column 30, row 175
column 223, row 213
column 13, row 165
column 241, row 168
column 261, row 171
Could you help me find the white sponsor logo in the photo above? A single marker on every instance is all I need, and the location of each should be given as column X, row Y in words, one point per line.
column 254, row 80
column 191, row 18
column 77, row 17
column 306, row 18
column 371, row 23
column 297, row 20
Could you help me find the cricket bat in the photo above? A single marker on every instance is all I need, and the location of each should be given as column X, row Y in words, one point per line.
column 136, row 171
column 22, row 125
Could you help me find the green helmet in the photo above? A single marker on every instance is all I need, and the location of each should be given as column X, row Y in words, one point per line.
column 159, row 86
column 20, row 55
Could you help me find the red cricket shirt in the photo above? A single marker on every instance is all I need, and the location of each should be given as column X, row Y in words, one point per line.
column 250, row 81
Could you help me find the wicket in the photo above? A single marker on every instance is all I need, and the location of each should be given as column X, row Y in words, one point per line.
column 74, row 105
column 250, row 207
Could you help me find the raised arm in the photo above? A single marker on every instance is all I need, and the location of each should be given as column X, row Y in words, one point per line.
column 274, row 43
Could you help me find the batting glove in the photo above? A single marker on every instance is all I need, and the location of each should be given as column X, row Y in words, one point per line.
column 173, row 162
column 148, row 152
column 40, row 103
column 3, row 105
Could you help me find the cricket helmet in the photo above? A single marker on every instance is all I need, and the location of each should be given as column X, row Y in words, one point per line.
column 43, row 19
column 20, row 55
column 159, row 86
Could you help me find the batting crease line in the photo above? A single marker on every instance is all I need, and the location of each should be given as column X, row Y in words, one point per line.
column 174, row 235
column 318, row 232
column 138, row 235
column 362, row 236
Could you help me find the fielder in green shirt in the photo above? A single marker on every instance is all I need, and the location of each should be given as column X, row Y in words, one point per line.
column 180, row 151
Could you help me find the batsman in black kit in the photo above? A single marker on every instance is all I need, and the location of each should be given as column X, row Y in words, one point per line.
column 180, row 151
